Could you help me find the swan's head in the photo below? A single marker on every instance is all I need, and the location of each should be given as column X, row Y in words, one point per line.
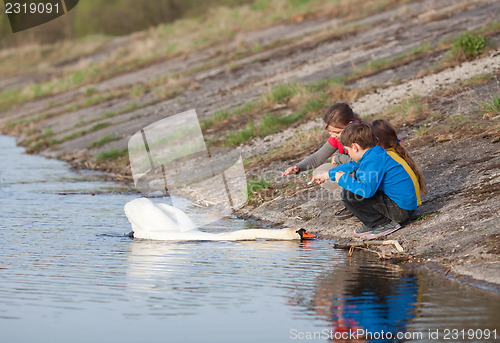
column 304, row 235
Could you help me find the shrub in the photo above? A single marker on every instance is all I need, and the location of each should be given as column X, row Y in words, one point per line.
column 467, row 46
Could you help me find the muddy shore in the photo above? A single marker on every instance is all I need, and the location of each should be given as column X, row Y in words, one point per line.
column 456, row 230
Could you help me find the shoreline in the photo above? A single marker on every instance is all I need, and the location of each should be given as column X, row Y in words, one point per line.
column 406, row 259
column 408, row 262
column 258, row 80
column 456, row 224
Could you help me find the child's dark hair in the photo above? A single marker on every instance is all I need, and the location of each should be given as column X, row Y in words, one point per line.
column 339, row 115
column 358, row 132
column 387, row 138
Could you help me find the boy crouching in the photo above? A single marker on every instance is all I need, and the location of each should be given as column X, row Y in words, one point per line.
column 380, row 193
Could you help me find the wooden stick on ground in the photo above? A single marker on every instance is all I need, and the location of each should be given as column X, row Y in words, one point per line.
column 356, row 244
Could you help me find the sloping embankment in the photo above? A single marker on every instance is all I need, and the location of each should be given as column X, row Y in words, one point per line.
column 457, row 147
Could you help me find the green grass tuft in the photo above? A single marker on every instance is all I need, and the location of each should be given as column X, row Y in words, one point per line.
column 138, row 91
column 89, row 91
column 281, row 92
column 491, row 108
column 47, row 133
column 257, row 184
column 267, row 125
column 99, row 126
column 111, row 154
column 104, row 140
column 426, row 216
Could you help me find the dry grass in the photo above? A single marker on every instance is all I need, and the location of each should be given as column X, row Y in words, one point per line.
column 290, row 104
column 458, row 127
column 433, row 15
column 377, row 66
column 465, row 46
column 163, row 88
column 436, row 127
column 296, row 102
column 182, row 37
column 410, row 111
column 462, row 86
column 490, row 108
column 302, row 144
column 36, row 58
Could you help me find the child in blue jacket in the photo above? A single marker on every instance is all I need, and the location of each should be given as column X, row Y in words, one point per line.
column 382, row 194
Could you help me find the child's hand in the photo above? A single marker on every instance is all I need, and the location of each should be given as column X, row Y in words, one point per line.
column 338, row 175
column 291, row 170
column 320, row 178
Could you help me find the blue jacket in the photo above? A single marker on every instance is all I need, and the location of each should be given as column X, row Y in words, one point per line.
column 377, row 170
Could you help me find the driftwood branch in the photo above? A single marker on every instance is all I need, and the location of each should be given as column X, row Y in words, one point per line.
column 365, row 244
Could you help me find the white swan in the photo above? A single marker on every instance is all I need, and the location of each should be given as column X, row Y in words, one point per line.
column 165, row 222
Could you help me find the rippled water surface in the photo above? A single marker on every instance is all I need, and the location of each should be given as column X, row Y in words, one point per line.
column 68, row 274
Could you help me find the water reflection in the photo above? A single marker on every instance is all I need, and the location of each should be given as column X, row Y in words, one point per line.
column 181, row 276
column 360, row 300
column 325, row 288
column 65, row 264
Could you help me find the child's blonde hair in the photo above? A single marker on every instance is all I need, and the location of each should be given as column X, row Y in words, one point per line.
column 387, row 138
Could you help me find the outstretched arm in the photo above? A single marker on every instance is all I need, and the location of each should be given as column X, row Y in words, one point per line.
column 317, row 158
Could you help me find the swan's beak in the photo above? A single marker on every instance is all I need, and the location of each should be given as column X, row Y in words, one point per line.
column 304, row 235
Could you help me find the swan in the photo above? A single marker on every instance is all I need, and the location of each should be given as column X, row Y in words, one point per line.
column 167, row 223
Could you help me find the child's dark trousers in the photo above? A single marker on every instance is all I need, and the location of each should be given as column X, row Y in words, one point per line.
column 374, row 211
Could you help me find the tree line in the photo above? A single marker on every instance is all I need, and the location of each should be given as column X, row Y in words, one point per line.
column 110, row 17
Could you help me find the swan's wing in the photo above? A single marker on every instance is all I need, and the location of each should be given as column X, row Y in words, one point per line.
column 145, row 216
column 184, row 223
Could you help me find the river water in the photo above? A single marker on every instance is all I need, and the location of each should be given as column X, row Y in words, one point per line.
column 69, row 274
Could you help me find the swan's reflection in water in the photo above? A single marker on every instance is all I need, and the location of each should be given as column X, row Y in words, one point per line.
column 280, row 286
column 319, row 285
column 178, row 277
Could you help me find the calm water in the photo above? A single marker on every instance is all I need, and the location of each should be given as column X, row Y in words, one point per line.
column 68, row 274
